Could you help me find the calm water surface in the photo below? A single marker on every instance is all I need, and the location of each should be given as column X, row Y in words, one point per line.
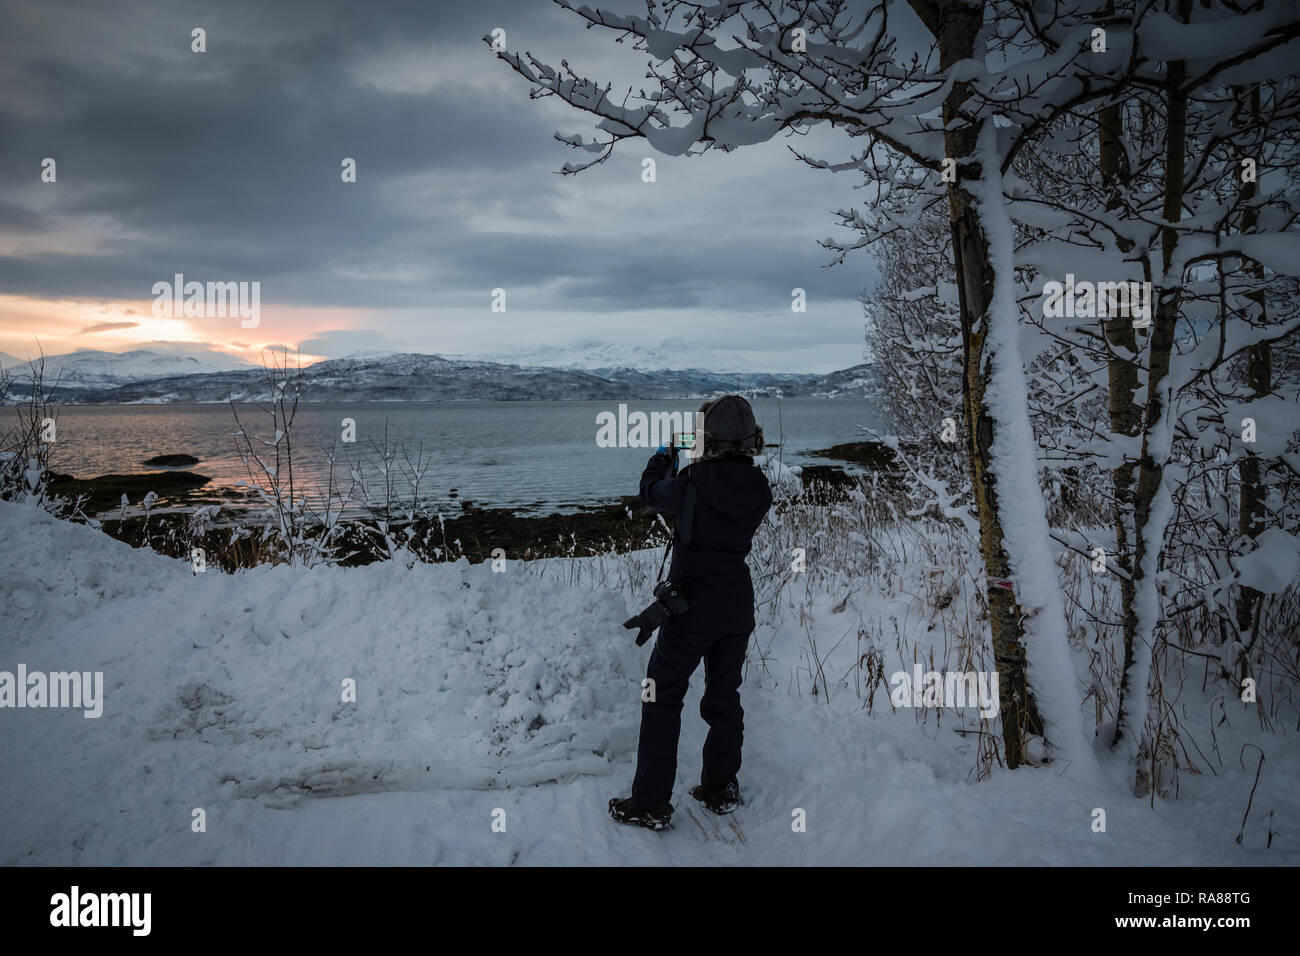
column 532, row 456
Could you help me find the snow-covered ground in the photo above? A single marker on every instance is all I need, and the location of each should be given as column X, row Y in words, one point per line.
column 515, row 691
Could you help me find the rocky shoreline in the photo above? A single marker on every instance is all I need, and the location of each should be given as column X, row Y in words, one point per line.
column 169, row 526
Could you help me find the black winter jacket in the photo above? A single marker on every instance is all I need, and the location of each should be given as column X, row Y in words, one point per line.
column 731, row 498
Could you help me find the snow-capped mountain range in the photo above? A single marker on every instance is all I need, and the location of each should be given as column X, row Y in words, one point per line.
column 595, row 356
column 93, row 369
column 205, row 376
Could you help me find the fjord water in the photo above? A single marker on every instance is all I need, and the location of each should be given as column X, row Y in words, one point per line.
column 531, row 456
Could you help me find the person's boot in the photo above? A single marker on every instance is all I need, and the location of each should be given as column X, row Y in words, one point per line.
column 721, row 801
column 624, row 810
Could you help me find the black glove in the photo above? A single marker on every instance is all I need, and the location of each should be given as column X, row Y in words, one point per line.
column 669, row 452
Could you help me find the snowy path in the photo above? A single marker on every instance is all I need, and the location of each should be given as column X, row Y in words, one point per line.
column 478, row 691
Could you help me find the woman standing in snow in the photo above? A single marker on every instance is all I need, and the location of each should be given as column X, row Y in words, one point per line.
column 719, row 501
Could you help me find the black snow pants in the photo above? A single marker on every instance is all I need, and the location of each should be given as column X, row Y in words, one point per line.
column 672, row 662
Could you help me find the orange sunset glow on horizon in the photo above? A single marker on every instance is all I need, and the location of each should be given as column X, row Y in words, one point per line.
column 31, row 327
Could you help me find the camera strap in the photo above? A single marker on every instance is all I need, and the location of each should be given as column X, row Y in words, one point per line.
column 667, row 550
column 683, row 524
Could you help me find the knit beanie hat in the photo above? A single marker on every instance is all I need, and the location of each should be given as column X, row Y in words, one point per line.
column 730, row 428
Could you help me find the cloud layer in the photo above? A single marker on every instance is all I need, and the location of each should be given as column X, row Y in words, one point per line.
column 225, row 165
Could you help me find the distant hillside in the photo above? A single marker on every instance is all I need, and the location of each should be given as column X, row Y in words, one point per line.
column 91, row 369
column 412, row 377
column 598, row 357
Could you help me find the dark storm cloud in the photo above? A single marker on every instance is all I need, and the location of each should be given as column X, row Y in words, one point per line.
column 237, row 172
column 225, row 165
column 661, row 273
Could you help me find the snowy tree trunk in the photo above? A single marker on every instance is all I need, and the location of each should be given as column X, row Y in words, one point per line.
column 1002, row 453
column 959, row 24
column 1018, row 708
column 1122, row 367
column 1152, row 504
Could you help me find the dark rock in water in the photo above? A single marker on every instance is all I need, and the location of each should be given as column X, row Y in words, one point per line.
column 885, row 471
column 467, row 506
column 873, row 454
column 172, row 461
column 105, row 492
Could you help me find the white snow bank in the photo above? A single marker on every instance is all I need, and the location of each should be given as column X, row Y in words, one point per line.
column 516, row 692
column 221, row 686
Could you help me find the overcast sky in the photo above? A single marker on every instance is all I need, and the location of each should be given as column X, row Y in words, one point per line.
column 225, row 166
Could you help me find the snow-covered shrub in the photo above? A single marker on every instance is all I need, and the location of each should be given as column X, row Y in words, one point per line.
column 297, row 526
column 25, row 442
